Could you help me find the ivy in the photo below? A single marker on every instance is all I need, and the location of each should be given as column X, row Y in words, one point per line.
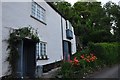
column 15, row 37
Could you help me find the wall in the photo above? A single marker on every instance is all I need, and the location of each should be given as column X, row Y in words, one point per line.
column 0, row 39
column 73, row 41
column 16, row 15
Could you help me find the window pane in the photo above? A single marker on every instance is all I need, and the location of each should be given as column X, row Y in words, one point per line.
column 33, row 8
column 42, row 48
column 37, row 50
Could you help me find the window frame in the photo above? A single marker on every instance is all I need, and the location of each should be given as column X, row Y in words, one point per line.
column 42, row 51
column 42, row 12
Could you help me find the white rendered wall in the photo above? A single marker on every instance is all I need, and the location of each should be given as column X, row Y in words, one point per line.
column 17, row 15
column 0, row 39
column 73, row 41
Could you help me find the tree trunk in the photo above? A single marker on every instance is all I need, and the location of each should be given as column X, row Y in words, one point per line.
column 78, row 44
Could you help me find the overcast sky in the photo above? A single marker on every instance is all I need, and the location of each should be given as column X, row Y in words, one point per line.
column 103, row 1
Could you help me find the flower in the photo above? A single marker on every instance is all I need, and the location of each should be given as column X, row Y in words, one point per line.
column 91, row 54
column 87, row 60
column 82, row 56
column 93, row 58
column 76, row 61
column 88, row 57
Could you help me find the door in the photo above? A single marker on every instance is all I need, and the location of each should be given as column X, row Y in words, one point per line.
column 27, row 59
column 67, row 50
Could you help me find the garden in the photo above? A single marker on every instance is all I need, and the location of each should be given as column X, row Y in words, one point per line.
column 90, row 59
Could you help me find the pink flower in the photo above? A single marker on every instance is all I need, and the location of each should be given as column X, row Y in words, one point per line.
column 76, row 61
column 82, row 56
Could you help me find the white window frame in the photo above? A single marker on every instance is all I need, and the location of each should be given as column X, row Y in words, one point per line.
column 41, row 50
column 38, row 12
column 69, row 25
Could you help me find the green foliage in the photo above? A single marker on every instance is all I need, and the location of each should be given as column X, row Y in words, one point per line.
column 65, row 8
column 15, row 37
column 100, row 36
column 73, row 70
column 107, row 52
column 113, row 11
column 66, row 69
column 91, row 21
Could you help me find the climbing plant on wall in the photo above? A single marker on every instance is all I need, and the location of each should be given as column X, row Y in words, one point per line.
column 14, row 38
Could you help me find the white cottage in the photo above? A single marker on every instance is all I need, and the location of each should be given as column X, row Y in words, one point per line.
column 57, row 39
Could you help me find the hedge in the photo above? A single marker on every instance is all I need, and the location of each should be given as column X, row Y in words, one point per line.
column 109, row 53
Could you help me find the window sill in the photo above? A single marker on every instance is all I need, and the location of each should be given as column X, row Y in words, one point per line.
column 38, row 20
column 42, row 58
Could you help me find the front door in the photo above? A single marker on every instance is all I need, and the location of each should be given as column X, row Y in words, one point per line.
column 27, row 59
column 67, row 50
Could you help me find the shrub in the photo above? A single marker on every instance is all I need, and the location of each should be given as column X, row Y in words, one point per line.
column 78, row 66
column 107, row 52
column 66, row 69
column 100, row 36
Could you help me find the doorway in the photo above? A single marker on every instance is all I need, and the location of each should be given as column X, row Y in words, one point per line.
column 67, row 52
column 27, row 59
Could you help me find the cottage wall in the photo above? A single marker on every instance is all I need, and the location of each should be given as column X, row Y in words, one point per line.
column 18, row 14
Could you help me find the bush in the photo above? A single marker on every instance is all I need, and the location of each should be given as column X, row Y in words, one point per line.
column 66, row 69
column 90, row 59
column 83, row 51
column 77, row 67
column 107, row 52
column 101, row 36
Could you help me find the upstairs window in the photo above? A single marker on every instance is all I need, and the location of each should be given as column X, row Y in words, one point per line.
column 38, row 12
column 68, row 25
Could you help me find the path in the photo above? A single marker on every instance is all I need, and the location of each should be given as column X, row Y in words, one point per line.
column 51, row 74
column 111, row 72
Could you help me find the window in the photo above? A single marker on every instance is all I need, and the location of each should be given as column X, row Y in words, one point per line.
column 41, row 50
column 68, row 25
column 38, row 12
column 37, row 50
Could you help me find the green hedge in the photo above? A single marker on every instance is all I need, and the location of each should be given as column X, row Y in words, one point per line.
column 108, row 52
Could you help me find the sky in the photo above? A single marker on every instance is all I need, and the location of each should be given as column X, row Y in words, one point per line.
column 103, row 1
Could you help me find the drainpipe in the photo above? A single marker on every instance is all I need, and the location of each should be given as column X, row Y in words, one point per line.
column 62, row 35
column 22, row 59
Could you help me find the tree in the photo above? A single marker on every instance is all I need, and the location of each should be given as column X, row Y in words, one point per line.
column 64, row 7
column 113, row 11
column 90, row 19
